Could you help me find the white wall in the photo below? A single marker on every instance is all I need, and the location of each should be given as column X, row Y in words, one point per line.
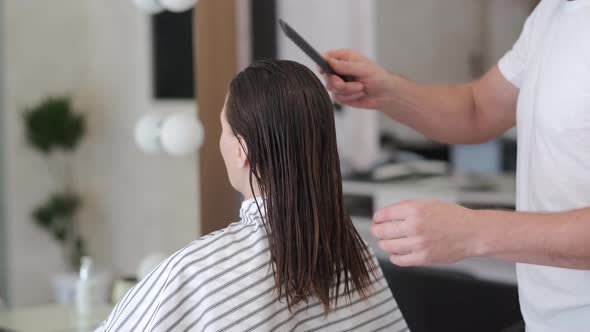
column 427, row 41
column 3, row 238
column 97, row 52
column 505, row 22
column 431, row 41
column 334, row 24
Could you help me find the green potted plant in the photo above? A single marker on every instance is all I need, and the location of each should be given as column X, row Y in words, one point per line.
column 55, row 130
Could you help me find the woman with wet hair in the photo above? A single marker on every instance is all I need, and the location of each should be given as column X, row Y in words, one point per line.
column 294, row 261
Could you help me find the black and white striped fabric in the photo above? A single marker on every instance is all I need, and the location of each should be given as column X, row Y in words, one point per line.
column 223, row 282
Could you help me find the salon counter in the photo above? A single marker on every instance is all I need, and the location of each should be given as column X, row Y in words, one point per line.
column 51, row 318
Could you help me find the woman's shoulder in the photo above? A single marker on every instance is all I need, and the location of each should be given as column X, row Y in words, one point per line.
column 211, row 251
column 227, row 238
column 182, row 280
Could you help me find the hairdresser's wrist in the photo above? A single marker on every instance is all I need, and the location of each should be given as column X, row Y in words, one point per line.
column 392, row 85
column 493, row 228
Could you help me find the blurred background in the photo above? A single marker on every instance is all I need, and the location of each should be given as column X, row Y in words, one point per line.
column 109, row 127
column 98, row 54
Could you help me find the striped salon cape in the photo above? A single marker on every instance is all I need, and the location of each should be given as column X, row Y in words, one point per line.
column 223, row 282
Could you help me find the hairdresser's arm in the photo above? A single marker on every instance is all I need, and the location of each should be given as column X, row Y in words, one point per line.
column 433, row 232
column 455, row 114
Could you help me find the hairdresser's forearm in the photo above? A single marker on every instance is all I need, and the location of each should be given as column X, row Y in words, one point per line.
column 443, row 113
column 553, row 239
column 454, row 114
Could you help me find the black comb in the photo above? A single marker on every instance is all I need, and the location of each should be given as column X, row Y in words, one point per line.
column 311, row 52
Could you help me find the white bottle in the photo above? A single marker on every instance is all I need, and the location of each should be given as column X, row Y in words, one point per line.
column 86, row 289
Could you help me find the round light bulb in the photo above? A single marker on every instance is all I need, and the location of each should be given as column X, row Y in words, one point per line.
column 178, row 6
column 147, row 132
column 149, row 6
column 181, row 134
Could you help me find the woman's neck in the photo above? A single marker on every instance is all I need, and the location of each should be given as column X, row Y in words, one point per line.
column 247, row 192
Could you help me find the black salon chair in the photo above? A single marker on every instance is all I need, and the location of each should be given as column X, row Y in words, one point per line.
column 436, row 300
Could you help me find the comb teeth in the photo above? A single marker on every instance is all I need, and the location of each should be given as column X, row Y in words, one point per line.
column 305, row 47
column 310, row 51
column 283, row 24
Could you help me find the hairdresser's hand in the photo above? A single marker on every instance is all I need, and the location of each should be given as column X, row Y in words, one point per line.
column 370, row 87
column 426, row 232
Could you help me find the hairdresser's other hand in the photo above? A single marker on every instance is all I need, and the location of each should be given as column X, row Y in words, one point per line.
column 370, row 87
column 426, row 232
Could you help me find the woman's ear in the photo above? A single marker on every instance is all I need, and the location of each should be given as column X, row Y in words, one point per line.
column 242, row 153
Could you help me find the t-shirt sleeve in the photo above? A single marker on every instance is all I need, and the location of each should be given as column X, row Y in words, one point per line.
column 584, row 42
column 513, row 65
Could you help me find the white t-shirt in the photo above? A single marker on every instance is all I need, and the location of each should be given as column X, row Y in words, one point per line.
column 550, row 64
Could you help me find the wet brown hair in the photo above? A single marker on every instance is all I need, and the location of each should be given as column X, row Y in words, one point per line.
column 283, row 115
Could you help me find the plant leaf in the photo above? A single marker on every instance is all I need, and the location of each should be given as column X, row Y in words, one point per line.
column 53, row 125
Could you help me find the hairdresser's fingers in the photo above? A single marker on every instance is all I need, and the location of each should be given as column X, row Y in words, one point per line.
column 398, row 211
column 346, row 87
column 335, row 84
column 389, row 230
column 414, row 258
column 402, row 246
column 329, row 86
column 360, row 103
column 350, row 68
column 344, row 54
column 348, row 98
column 332, row 81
